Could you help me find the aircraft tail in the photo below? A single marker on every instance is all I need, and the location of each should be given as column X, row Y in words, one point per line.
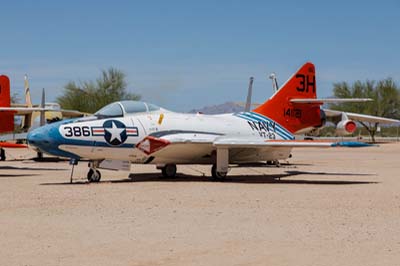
column 292, row 115
column 28, row 100
column 6, row 117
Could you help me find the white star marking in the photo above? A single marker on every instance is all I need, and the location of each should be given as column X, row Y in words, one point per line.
column 115, row 132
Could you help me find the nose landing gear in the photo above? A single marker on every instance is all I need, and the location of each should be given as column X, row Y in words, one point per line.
column 93, row 175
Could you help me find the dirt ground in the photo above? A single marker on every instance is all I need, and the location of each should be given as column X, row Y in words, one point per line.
column 330, row 207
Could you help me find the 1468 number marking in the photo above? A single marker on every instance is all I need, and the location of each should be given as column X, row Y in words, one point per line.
column 292, row 112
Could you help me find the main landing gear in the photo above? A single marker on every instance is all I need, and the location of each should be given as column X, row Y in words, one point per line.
column 93, row 175
column 2, row 154
column 168, row 170
column 218, row 176
column 220, row 168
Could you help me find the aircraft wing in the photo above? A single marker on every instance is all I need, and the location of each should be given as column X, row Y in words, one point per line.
column 361, row 117
column 29, row 110
column 19, row 105
column 258, row 143
column 192, row 144
column 23, row 110
column 17, row 136
column 72, row 113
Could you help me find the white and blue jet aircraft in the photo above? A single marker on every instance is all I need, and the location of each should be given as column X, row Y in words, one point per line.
column 129, row 132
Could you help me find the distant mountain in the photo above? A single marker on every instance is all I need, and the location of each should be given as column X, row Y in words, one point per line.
column 228, row 107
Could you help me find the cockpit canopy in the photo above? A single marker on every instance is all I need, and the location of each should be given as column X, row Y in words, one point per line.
column 52, row 106
column 122, row 108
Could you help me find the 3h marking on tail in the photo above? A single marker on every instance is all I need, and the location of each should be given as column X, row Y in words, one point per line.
column 305, row 83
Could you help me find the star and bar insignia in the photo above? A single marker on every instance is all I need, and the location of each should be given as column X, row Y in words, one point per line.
column 115, row 132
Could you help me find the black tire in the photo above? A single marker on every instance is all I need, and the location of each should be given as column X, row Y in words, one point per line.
column 169, row 171
column 2, row 155
column 93, row 175
column 217, row 175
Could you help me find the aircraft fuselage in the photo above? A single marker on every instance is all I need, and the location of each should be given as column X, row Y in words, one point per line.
column 118, row 138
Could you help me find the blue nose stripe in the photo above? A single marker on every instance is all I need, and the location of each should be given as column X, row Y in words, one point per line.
column 47, row 139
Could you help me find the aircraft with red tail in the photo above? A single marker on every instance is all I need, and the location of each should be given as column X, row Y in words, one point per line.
column 6, row 117
column 127, row 132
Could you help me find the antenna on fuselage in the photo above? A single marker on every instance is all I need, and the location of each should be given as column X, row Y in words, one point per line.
column 275, row 86
column 249, row 93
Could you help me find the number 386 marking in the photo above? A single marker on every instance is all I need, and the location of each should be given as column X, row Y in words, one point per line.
column 77, row 131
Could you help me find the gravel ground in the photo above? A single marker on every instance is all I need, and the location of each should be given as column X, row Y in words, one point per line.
column 326, row 207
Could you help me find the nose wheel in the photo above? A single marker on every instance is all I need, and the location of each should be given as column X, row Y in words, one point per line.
column 93, row 175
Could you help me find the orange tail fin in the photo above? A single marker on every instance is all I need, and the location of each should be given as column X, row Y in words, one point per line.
column 294, row 116
column 6, row 117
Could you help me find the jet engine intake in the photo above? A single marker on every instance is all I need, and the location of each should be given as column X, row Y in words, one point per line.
column 346, row 127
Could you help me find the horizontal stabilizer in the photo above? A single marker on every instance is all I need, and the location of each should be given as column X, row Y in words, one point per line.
column 361, row 117
column 12, row 145
column 331, row 100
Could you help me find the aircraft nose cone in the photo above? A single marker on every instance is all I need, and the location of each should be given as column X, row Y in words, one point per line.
column 39, row 138
column 35, row 137
column 47, row 139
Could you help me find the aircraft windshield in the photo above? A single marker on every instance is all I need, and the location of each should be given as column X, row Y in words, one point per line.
column 138, row 107
column 153, row 107
column 53, row 106
column 111, row 110
column 118, row 109
column 134, row 107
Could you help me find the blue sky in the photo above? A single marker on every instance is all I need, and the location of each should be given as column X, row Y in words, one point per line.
column 186, row 54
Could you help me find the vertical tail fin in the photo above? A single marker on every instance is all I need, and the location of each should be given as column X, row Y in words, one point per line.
column 28, row 100
column 249, row 93
column 6, row 117
column 42, row 105
column 294, row 116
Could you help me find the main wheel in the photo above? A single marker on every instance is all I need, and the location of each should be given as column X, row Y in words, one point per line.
column 2, row 155
column 93, row 175
column 169, row 170
column 217, row 175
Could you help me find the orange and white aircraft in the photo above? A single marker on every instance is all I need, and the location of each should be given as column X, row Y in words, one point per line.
column 345, row 122
column 136, row 132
